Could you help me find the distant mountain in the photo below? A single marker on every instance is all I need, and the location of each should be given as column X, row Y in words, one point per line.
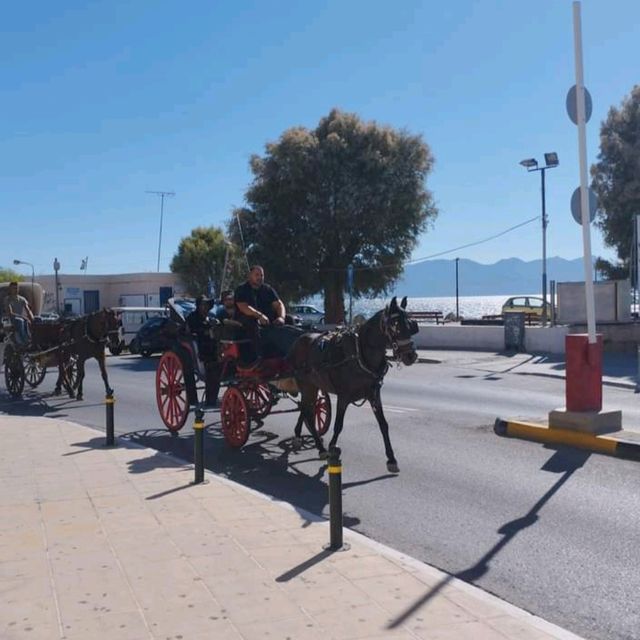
column 506, row 277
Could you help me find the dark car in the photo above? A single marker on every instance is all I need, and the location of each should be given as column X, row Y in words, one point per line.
column 151, row 337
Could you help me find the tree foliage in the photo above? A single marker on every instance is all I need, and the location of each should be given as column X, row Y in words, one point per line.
column 9, row 275
column 347, row 192
column 616, row 180
column 201, row 257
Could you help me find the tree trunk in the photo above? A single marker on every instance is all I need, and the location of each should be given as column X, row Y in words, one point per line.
column 333, row 299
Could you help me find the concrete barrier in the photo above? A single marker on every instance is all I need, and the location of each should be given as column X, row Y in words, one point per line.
column 483, row 338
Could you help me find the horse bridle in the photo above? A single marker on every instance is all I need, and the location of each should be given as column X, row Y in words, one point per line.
column 389, row 326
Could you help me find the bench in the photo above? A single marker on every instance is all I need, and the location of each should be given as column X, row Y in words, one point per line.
column 431, row 316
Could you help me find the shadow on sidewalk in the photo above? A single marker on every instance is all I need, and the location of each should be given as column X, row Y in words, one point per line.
column 564, row 461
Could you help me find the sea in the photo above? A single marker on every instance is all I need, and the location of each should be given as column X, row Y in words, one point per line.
column 469, row 306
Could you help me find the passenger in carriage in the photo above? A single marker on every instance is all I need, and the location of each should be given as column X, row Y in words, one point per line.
column 17, row 309
column 228, row 310
column 263, row 316
column 200, row 325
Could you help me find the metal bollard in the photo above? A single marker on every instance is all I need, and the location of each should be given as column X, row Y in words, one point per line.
column 198, row 447
column 335, row 502
column 109, row 401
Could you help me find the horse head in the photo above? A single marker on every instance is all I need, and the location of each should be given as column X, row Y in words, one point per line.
column 398, row 329
column 102, row 325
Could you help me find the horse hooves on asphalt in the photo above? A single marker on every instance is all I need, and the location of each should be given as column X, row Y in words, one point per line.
column 297, row 442
column 57, row 392
column 392, row 467
column 78, row 397
column 324, row 455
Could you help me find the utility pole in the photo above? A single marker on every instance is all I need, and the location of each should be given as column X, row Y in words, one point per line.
column 457, row 302
column 56, row 268
column 162, row 194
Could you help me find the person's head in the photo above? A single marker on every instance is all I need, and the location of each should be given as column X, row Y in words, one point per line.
column 256, row 276
column 13, row 288
column 228, row 300
column 202, row 305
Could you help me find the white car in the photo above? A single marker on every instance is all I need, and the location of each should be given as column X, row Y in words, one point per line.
column 307, row 313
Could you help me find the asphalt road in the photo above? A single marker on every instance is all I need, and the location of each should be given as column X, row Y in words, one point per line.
column 554, row 531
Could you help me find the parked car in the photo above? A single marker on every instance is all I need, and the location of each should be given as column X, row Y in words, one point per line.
column 526, row 304
column 151, row 337
column 131, row 319
column 307, row 313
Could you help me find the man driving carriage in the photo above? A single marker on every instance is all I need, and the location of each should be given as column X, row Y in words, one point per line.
column 17, row 309
column 200, row 325
column 263, row 316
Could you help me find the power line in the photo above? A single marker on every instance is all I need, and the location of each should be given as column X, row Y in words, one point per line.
column 442, row 253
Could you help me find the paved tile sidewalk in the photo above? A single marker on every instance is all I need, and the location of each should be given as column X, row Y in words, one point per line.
column 116, row 544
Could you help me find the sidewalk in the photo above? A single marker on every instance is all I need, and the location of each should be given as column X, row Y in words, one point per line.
column 618, row 369
column 116, row 544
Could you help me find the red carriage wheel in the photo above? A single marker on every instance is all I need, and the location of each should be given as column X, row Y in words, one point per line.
column 322, row 413
column 259, row 397
column 171, row 391
column 235, row 417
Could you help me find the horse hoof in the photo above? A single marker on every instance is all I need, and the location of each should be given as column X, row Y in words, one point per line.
column 297, row 442
column 392, row 467
column 78, row 397
column 57, row 392
column 324, row 455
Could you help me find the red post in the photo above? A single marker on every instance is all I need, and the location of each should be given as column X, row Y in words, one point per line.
column 584, row 372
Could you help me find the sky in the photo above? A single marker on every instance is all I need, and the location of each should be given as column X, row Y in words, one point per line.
column 102, row 101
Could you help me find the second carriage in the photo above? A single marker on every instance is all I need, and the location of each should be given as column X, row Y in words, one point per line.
column 250, row 394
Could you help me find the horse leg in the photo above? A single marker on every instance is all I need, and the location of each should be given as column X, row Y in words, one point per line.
column 376, row 404
column 341, row 409
column 297, row 432
column 103, row 372
column 309, row 393
column 80, row 378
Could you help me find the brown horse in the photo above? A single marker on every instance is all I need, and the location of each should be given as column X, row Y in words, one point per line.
column 85, row 338
column 352, row 364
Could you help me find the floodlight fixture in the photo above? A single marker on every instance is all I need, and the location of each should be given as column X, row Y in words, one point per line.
column 529, row 163
column 551, row 159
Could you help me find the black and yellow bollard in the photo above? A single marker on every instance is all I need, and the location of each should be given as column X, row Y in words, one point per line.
column 335, row 502
column 198, row 447
column 109, row 401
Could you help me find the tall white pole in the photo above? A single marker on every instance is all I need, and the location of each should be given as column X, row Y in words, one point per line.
column 584, row 189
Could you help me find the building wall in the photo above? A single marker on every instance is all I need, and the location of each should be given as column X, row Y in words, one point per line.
column 123, row 289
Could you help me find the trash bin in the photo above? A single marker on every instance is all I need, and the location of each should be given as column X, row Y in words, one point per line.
column 514, row 331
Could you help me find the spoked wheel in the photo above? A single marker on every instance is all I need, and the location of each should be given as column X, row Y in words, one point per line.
column 259, row 398
column 71, row 371
column 171, row 391
column 34, row 372
column 13, row 373
column 235, row 416
column 322, row 413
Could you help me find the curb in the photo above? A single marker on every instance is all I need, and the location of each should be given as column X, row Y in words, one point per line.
column 607, row 444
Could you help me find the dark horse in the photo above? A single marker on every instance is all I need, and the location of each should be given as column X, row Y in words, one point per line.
column 85, row 338
column 352, row 364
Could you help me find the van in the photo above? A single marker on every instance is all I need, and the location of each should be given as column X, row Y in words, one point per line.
column 130, row 320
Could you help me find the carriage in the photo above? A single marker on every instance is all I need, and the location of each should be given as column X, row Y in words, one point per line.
column 27, row 363
column 250, row 394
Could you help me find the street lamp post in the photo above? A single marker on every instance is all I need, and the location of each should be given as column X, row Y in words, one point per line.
column 33, row 274
column 162, row 194
column 531, row 164
column 56, row 268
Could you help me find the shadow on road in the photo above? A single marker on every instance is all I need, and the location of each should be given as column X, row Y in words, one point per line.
column 563, row 461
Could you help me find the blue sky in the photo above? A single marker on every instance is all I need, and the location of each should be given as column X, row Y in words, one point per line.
column 104, row 100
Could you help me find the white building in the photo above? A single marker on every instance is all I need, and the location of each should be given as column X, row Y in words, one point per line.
column 86, row 293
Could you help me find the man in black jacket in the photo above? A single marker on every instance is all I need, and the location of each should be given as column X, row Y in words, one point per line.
column 200, row 326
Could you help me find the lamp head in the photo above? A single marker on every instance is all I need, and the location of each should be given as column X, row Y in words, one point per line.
column 551, row 159
column 17, row 262
column 529, row 163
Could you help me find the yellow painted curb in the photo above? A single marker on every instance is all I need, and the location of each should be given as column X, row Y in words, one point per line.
column 551, row 435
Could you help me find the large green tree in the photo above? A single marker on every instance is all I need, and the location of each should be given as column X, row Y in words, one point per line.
column 201, row 257
column 616, row 180
column 346, row 192
column 9, row 275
